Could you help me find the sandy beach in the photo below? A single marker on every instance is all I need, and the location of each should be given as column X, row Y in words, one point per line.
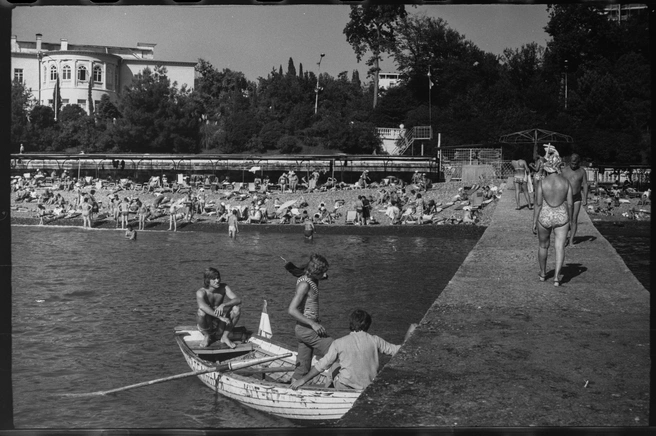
column 26, row 212
column 443, row 193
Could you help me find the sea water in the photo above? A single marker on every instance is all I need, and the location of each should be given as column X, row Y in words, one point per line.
column 92, row 311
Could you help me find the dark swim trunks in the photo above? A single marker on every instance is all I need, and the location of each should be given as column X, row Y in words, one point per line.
column 577, row 197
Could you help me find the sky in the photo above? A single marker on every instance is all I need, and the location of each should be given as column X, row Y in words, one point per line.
column 255, row 39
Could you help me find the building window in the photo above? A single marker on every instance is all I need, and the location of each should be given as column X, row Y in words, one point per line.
column 97, row 74
column 82, row 74
column 82, row 103
column 53, row 73
column 96, row 103
column 110, row 76
column 66, row 72
column 44, row 74
column 64, row 101
column 18, row 75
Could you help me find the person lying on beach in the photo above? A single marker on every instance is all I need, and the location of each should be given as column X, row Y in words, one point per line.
column 358, row 355
column 219, row 308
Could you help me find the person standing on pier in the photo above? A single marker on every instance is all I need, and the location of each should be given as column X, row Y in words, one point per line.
column 553, row 212
column 579, row 180
column 521, row 179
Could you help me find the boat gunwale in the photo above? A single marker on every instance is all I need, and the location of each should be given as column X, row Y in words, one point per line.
column 265, row 384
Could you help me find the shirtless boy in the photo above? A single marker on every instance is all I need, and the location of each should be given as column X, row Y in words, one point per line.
column 86, row 212
column 579, row 181
column 233, row 226
column 308, row 228
column 219, row 309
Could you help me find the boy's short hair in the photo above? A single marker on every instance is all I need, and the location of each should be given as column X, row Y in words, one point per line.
column 210, row 274
column 359, row 320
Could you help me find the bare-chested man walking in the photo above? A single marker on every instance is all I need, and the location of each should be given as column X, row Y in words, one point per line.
column 579, row 181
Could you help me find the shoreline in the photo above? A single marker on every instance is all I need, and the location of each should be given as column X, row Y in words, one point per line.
column 26, row 213
column 442, row 193
column 428, row 230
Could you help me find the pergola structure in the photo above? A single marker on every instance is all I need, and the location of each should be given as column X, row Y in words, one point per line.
column 535, row 137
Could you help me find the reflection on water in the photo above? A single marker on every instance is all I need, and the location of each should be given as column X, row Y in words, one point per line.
column 632, row 241
column 93, row 311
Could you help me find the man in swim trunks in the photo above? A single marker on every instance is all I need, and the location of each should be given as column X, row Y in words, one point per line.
column 233, row 226
column 219, row 309
column 578, row 179
column 308, row 228
column 553, row 210
column 86, row 213
column 124, row 207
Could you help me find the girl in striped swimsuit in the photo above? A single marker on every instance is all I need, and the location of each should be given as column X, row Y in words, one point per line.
column 304, row 308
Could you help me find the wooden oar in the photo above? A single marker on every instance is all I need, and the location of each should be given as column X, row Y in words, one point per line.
column 230, row 366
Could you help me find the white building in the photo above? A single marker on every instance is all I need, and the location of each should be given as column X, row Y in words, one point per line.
column 388, row 80
column 38, row 64
column 622, row 12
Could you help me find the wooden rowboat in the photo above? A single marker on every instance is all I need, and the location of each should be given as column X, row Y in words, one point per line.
column 265, row 386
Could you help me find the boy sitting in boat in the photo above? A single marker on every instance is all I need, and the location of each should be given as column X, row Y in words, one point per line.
column 219, row 309
column 357, row 354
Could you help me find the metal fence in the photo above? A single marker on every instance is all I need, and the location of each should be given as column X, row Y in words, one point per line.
column 490, row 161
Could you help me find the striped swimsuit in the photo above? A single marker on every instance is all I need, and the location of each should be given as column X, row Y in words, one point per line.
column 310, row 304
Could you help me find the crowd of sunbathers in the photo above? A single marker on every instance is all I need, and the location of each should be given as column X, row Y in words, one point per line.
column 252, row 204
column 410, row 208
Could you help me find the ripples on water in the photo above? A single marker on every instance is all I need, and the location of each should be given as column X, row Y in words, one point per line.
column 632, row 241
column 93, row 311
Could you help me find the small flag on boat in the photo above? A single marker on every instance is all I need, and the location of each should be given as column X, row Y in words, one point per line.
column 264, row 329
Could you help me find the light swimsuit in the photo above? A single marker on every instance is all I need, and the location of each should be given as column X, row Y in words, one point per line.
column 553, row 216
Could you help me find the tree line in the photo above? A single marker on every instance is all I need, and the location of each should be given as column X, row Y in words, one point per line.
column 591, row 81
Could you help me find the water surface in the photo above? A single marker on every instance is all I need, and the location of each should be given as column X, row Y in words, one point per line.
column 93, row 311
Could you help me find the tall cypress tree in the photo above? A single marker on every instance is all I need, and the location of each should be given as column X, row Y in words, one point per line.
column 91, row 89
column 291, row 69
column 56, row 98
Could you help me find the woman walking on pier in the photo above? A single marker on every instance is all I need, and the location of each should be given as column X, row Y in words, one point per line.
column 553, row 211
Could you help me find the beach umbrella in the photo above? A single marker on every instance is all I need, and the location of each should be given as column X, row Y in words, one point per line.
column 286, row 204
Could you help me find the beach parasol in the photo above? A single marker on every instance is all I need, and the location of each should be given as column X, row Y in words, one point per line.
column 285, row 205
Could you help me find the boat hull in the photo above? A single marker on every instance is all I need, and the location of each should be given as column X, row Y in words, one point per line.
column 265, row 387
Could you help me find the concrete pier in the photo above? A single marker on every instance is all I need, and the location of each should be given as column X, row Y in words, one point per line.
column 500, row 348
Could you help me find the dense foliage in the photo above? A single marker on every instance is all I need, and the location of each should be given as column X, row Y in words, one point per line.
column 591, row 81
